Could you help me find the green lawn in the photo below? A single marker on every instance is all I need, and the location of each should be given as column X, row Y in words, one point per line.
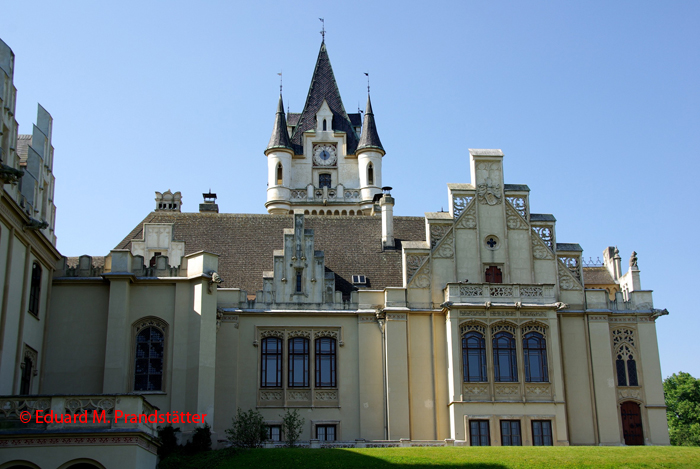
column 451, row 457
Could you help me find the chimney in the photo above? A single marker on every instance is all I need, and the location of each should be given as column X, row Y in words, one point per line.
column 387, row 205
column 209, row 204
column 168, row 202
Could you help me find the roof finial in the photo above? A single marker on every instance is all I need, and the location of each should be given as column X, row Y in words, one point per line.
column 323, row 30
column 367, row 75
column 280, row 74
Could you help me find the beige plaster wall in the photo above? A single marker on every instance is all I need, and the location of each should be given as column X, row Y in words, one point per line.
column 55, row 456
column 17, row 286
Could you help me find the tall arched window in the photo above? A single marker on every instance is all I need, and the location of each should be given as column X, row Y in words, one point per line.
column 370, row 174
column 271, row 368
column 324, row 125
column 35, row 290
column 474, row 357
column 150, row 352
column 504, row 358
column 325, row 362
column 279, row 174
column 298, row 376
column 626, row 367
column 535, row 356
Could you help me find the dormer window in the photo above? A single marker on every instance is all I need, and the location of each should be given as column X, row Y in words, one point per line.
column 324, row 125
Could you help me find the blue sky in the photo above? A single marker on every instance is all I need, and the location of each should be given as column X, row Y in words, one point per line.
column 595, row 105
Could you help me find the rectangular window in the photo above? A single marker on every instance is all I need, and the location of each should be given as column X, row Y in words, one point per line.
column 324, row 180
column 274, row 432
column 632, row 371
column 325, row 432
column 541, row 433
column 298, row 362
column 621, row 375
column 299, row 283
column 479, row 433
column 271, row 363
column 325, row 362
column 510, row 433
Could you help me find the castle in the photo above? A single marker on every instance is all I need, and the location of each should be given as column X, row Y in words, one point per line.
column 474, row 326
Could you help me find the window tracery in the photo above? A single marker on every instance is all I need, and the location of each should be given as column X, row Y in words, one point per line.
column 625, row 352
column 150, row 334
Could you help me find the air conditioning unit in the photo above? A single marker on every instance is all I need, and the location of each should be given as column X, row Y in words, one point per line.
column 359, row 280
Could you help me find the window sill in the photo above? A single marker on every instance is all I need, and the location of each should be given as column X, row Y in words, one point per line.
column 150, row 393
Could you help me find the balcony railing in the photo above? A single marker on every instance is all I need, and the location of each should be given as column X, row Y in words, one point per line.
column 499, row 293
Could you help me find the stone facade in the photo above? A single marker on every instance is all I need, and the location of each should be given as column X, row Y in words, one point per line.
column 472, row 326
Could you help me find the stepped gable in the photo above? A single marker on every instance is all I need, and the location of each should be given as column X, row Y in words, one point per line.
column 323, row 87
column 245, row 244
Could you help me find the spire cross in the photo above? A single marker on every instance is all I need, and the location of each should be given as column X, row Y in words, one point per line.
column 280, row 74
column 367, row 75
column 323, row 30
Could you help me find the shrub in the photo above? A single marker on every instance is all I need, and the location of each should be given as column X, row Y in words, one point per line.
column 168, row 441
column 201, row 439
column 292, row 424
column 248, row 429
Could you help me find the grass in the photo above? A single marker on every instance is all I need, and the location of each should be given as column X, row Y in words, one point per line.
column 451, row 457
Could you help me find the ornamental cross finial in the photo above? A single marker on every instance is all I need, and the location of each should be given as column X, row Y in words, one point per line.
column 323, row 30
column 280, row 74
column 367, row 75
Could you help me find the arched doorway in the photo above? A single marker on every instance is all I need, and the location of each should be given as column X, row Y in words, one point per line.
column 632, row 423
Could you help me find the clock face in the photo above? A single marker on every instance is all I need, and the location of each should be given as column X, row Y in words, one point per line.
column 324, row 154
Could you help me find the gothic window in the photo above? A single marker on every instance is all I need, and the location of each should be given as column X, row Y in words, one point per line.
column 324, row 180
column 370, row 174
column 504, row 358
column 535, row 356
column 494, row 275
column 541, row 433
column 148, row 366
column 271, row 368
column 626, row 367
column 510, row 433
column 298, row 362
column 324, row 125
column 279, row 174
column 299, row 282
column 479, row 433
column 325, row 362
column 26, row 380
column 474, row 357
column 35, row 289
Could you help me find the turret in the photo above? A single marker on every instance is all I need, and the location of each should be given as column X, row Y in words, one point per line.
column 369, row 158
column 279, row 165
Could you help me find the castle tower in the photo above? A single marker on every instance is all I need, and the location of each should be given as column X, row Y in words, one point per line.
column 325, row 167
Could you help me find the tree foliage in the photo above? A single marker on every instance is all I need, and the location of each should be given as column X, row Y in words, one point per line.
column 682, row 393
column 292, row 424
column 248, row 429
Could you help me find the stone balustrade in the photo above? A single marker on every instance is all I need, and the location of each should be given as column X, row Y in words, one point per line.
column 500, row 293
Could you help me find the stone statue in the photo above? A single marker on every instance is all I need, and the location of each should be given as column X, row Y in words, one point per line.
column 633, row 259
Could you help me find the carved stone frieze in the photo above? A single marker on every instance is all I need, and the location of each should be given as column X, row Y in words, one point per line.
column 271, row 333
column 437, row 232
column 538, row 390
column 270, row 395
column 470, row 291
column 623, row 334
column 150, row 321
column 573, row 264
column 460, row 203
column 466, row 314
column 566, row 280
column 514, row 220
column 299, row 333
column 413, row 263
column 539, row 248
column 446, row 247
column 298, row 395
column 520, row 205
column 534, row 326
column 536, row 314
column 503, row 326
column 489, row 191
column 473, row 390
column 395, row 317
column 623, row 394
column 422, row 277
column 507, row 389
column 531, row 292
column 326, row 333
column 546, row 235
column 326, row 395
column 499, row 292
column 469, row 326
column 79, row 405
column 468, row 218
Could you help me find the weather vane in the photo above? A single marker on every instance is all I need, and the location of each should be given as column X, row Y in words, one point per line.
column 367, row 75
column 280, row 74
column 323, row 30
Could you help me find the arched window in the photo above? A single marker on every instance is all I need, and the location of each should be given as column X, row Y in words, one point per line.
column 148, row 366
column 535, row 356
column 370, row 174
column 298, row 363
column 626, row 372
column 35, row 289
column 28, row 366
column 271, row 368
column 504, row 358
column 325, row 362
column 324, row 125
column 279, row 174
column 474, row 357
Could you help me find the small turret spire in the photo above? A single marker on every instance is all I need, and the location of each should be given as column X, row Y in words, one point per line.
column 280, row 136
column 369, row 137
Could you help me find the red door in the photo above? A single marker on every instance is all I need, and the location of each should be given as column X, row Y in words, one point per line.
column 632, row 423
column 494, row 275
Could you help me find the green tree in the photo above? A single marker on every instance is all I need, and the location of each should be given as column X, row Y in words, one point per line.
column 292, row 424
column 682, row 393
column 248, row 430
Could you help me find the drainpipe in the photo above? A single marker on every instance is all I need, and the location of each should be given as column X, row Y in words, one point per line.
column 381, row 322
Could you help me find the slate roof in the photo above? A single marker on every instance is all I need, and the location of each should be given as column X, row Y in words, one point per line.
column 293, row 118
column 279, row 137
column 569, row 247
column 323, row 86
column 597, row 276
column 355, row 119
column 245, row 244
column 542, row 217
column 516, row 187
column 369, row 137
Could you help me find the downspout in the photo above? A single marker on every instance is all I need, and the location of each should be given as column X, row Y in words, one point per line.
column 381, row 322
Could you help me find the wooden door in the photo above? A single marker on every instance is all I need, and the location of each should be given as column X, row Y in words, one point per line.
column 494, row 275
column 632, row 423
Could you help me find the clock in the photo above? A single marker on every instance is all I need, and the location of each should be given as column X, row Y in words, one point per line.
column 324, row 154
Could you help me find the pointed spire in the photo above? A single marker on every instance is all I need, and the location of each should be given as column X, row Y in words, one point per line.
column 324, row 87
column 369, row 137
column 280, row 137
